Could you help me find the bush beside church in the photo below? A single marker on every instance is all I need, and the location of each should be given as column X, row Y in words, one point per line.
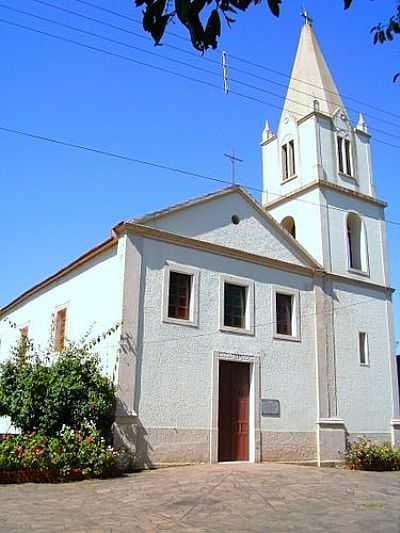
column 64, row 408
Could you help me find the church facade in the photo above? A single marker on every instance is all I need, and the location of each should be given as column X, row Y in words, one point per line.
column 248, row 332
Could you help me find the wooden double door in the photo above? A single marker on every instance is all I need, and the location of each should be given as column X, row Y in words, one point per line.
column 233, row 411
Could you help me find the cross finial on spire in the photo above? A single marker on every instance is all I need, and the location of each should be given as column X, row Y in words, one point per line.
column 306, row 16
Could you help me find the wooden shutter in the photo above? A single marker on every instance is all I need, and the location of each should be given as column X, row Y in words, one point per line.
column 60, row 330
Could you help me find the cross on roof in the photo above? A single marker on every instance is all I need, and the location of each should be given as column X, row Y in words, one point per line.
column 306, row 16
column 233, row 159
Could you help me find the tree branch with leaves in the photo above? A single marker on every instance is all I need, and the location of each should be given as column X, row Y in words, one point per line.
column 158, row 14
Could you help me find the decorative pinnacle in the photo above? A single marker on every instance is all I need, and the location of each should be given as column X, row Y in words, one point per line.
column 306, row 16
column 362, row 125
column 267, row 132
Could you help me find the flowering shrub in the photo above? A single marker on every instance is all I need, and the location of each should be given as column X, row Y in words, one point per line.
column 366, row 455
column 70, row 454
column 42, row 393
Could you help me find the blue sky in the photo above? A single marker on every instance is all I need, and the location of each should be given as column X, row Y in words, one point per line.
column 57, row 202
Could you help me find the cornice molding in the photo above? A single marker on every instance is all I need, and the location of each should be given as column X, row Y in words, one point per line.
column 188, row 242
column 218, row 249
column 327, row 185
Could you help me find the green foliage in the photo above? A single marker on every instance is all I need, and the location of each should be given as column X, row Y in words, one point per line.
column 158, row 13
column 366, row 455
column 43, row 394
column 385, row 32
column 83, row 453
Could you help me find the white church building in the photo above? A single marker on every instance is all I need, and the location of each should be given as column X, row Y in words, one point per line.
column 249, row 332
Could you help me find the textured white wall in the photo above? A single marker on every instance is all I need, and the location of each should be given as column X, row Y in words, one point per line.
column 372, row 216
column 306, row 211
column 211, row 221
column 364, row 393
column 306, row 154
column 176, row 376
column 316, row 157
column 93, row 295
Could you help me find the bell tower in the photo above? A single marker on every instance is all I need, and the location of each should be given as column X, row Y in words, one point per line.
column 317, row 172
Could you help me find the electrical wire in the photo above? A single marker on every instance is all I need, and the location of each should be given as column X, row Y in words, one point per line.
column 203, row 58
column 238, row 58
column 162, row 166
column 174, row 73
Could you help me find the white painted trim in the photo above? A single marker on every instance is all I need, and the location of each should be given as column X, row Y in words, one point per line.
column 254, row 403
column 194, row 294
column 250, row 308
column 296, row 321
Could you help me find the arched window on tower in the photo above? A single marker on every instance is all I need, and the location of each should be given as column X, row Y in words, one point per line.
column 290, row 226
column 357, row 243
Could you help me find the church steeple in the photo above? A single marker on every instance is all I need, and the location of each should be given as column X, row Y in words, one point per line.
column 317, row 168
column 311, row 83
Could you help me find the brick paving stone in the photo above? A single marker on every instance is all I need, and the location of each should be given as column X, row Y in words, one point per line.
column 210, row 498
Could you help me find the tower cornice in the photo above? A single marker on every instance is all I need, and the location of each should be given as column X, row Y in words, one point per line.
column 327, row 185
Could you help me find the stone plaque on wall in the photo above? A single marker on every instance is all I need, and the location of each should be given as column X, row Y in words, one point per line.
column 270, row 408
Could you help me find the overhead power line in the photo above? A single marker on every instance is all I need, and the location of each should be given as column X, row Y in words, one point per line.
column 238, row 58
column 162, row 166
column 191, row 54
column 171, row 72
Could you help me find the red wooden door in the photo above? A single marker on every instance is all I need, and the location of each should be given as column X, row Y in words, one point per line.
column 233, row 411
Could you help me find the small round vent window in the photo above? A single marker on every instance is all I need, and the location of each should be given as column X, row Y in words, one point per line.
column 235, row 219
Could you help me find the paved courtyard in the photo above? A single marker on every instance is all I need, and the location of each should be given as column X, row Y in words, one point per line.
column 238, row 497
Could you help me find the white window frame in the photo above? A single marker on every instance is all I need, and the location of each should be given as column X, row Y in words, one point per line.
column 366, row 348
column 296, row 322
column 56, row 310
column 352, row 168
column 194, row 295
column 249, row 312
column 287, row 163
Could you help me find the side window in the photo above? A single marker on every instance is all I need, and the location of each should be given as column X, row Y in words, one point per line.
column 24, row 332
column 357, row 243
column 236, row 305
column 290, row 226
column 288, row 161
column 59, row 339
column 344, row 156
column 286, row 312
column 363, row 348
column 180, row 295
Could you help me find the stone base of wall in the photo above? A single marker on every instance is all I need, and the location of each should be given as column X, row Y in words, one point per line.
column 395, row 436
column 288, row 446
column 374, row 437
column 176, row 446
column 157, row 446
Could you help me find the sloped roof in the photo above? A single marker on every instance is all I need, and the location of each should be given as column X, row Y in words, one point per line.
column 311, row 80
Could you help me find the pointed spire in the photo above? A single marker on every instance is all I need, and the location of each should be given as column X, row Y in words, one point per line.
column 311, row 80
column 267, row 132
column 362, row 125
